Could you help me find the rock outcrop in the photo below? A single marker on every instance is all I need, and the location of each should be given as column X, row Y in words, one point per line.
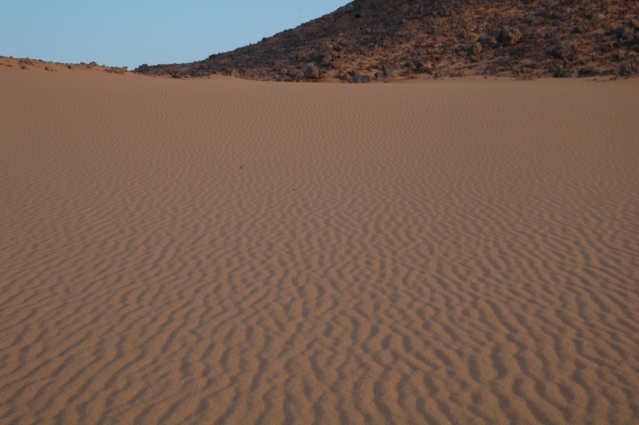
column 418, row 38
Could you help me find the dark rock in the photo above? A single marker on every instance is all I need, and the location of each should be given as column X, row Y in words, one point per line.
column 563, row 50
column 587, row 71
column 632, row 24
column 361, row 79
column 583, row 28
column 475, row 49
column 626, row 36
column 445, row 72
column 510, row 35
column 424, row 67
column 311, row 71
column 390, row 75
column 536, row 20
column 625, row 70
column 565, row 73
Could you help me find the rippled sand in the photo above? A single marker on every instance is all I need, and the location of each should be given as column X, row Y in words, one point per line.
column 230, row 252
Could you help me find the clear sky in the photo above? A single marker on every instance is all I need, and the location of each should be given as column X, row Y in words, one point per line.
column 133, row 32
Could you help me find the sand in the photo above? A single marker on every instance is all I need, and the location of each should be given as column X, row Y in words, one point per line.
column 222, row 251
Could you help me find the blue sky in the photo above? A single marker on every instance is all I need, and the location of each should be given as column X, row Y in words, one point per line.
column 133, row 32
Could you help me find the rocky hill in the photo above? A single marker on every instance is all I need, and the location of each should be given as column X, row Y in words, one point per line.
column 385, row 40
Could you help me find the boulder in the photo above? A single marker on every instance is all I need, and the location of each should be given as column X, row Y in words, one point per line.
column 475, row 49
column 565, row 73
column 625, row 70
column 563, row 50
column 328, row 48
column 632, row 24
column 587, row 71
column 390, row 75
column 535, row 20
column 445, row 72
column 361, row 79
column 424, row 67
column 510, row 35
column 626, row 36
column 311, row 71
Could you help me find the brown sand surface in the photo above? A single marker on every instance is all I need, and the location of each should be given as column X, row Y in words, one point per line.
column 221, row 251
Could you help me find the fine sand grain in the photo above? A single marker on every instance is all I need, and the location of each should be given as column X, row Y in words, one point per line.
column 221, row 251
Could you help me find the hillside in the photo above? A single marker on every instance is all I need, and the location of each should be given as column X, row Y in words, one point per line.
column 386, row 40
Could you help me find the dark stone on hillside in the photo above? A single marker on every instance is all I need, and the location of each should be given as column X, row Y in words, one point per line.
column 475, row 49
column 626, row 70
column 563, row 50
column 510, row 35
column 390, row 75
column 361, row 79
column 626, row 36
column 565, row 73
column 311, row 71
column 587, row 71
column 424, row 67
column 633, row 24
column 535, row 20
column 445, row 72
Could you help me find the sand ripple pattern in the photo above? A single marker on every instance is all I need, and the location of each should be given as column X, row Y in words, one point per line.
column 231, row 252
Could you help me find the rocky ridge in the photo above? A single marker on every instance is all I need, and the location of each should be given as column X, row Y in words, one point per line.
column 386, row 40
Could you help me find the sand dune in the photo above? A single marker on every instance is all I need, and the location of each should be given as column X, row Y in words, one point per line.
column 231, row 252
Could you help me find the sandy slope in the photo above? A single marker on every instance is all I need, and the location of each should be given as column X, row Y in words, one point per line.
column 230, row 252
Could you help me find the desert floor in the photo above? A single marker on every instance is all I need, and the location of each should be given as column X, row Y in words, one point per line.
column 221, row 251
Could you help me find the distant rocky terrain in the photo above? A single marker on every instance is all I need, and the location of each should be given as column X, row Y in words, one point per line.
column 386, row 40
column 28, row 63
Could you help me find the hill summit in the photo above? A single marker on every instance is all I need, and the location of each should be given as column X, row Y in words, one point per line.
column 385, row 40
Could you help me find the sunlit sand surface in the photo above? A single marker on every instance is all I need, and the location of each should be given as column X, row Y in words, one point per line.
column 221, row 251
